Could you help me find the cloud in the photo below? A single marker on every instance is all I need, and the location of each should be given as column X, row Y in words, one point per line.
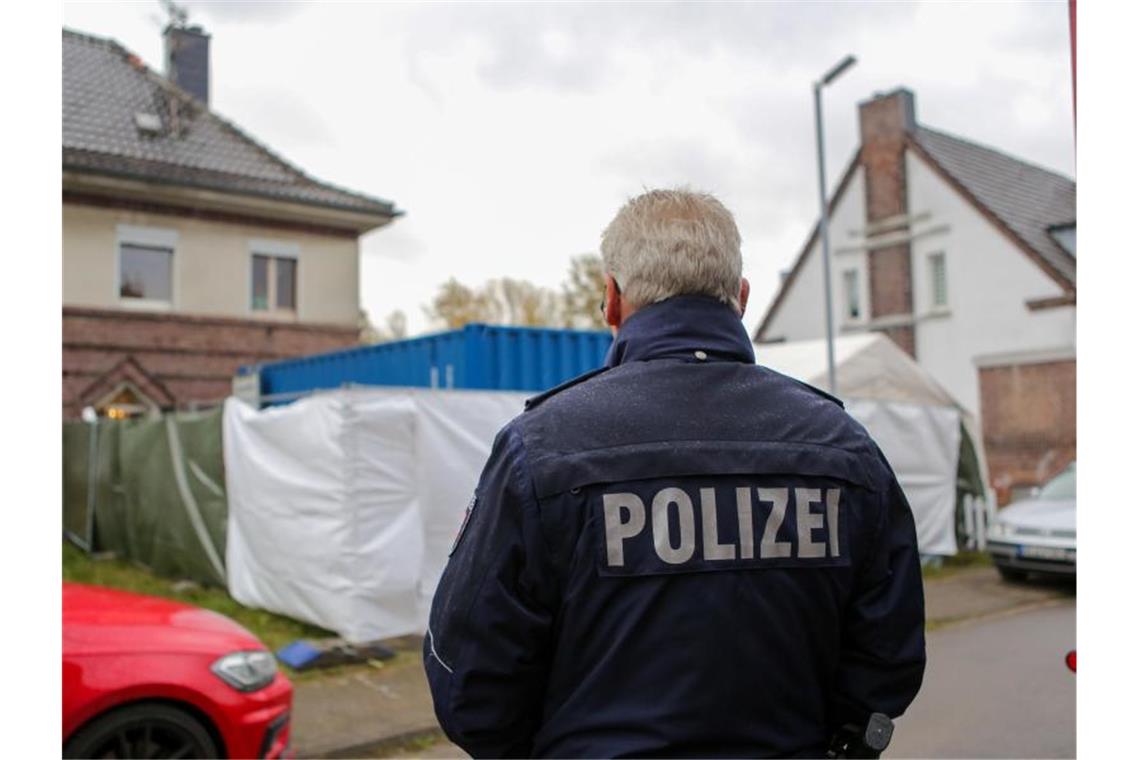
column 292, row 118
column 574, row 47
column 672, row 162
column 520, row 46
column 242, row 11
column 399, row 241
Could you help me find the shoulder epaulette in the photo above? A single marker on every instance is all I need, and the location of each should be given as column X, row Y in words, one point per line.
column 819, row 392
column 809, row 386
column 534, row 401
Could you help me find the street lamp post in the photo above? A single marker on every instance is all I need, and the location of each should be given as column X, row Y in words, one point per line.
column 817, row 88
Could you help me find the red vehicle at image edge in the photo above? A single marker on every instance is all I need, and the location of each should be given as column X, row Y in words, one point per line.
column 149, row 677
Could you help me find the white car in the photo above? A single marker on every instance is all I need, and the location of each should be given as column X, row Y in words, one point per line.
column 1038, row 535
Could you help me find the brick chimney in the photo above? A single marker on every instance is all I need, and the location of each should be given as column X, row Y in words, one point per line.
column 884, row 122
column 188, row 59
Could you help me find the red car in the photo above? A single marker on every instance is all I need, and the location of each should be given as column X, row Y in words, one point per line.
column 148, row 677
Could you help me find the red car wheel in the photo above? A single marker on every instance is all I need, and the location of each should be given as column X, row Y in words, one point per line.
column 143, row 730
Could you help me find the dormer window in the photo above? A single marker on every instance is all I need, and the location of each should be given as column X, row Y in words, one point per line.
column 148, row 124
column 1065, row 235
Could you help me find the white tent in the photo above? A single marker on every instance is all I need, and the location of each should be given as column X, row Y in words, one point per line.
column 915, row 421
column 343, row 505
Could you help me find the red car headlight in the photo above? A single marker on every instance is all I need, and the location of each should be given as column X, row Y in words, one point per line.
column 246, row 671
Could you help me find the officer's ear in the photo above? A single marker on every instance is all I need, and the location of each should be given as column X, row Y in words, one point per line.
column 745, row 289
column 613, row 302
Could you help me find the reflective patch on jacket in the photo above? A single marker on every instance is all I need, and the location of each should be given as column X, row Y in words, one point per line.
column 700, row 525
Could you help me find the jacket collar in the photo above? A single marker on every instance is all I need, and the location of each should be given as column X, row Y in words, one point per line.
column 678, row 327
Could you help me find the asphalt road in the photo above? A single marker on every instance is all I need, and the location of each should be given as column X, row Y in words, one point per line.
column 996, row 688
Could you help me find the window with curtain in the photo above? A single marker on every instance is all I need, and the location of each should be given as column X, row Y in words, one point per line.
column 146, row 272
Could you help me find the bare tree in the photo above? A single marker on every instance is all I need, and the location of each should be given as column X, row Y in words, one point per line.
column 397, row 325
column 456, row 305
column 583, row 291
column 395, row 328
column 369, row 334
column 511, row 301
column 524, row 303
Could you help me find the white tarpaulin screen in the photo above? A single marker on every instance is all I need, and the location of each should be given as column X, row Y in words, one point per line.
column 921, row 444
column 914, row 420
column 453, row 439
column 343, row 505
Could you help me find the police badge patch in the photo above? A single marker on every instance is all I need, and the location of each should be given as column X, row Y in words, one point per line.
column 463, row 525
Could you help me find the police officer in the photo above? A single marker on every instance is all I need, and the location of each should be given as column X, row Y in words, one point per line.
column 681, row 554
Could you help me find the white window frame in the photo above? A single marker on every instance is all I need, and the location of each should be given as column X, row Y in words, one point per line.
column 151, row 237
column 846, row 294
column 931, row 258
column 274, row 249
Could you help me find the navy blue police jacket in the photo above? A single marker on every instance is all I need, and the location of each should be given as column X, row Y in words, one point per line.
column 682, row 554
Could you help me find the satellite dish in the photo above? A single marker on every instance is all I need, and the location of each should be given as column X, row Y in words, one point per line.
column 89, row 414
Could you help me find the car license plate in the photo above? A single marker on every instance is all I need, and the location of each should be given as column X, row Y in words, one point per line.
column 1043, row 552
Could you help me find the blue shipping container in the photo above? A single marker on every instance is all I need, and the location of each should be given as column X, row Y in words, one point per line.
column 487, row 357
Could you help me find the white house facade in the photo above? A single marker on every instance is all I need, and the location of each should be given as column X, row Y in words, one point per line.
column 966, row 257
column 189, row 248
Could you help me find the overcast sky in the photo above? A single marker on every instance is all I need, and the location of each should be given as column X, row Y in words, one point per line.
column 511, row 133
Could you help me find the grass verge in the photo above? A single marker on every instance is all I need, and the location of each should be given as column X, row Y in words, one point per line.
column 411, row 745
column 275, row 631
column 956, row 564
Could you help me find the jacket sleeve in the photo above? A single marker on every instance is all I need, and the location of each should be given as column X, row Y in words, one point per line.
column 883, row 643
column 486, row 652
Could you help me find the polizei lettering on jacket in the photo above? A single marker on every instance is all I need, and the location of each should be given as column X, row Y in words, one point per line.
column 674, row 529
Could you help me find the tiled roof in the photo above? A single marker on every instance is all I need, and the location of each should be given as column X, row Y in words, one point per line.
column 1030, row 202
column 1026, row 198
column 105, row 87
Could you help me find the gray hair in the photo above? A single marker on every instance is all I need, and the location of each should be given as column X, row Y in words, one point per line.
column 667, row 243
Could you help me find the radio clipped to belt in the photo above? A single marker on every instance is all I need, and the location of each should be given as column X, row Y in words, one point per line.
column 868, row 740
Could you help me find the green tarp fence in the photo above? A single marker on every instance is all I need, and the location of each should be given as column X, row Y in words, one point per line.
column 970, row 486
column 152, row 491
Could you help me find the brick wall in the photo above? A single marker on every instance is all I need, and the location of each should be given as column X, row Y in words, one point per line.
column 888, row 271
column 1029, row 421
column 175, row 358
column 884, row 123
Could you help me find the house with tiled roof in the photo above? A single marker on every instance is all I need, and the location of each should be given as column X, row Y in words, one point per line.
column 189, row 247
column 966, row 257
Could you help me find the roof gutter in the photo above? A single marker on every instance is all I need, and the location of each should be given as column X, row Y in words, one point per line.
column 195, row 195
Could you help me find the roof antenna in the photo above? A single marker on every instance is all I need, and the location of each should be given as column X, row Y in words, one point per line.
column 177, row 15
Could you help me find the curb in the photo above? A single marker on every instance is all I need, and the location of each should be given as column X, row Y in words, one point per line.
column 944, row 624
